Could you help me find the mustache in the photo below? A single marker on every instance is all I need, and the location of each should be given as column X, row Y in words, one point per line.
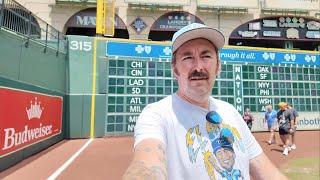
column 198, row 74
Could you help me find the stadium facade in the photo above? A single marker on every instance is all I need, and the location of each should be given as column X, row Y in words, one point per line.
column 281, row 65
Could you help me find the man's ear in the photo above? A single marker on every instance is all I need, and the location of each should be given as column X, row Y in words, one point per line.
column 175, row 71
column 218, row 69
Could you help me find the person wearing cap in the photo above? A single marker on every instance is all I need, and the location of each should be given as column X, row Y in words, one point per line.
column 270, row 117
column 286, row 125
column 172, row 135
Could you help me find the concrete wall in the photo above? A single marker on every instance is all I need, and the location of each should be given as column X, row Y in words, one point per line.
column 57, row 14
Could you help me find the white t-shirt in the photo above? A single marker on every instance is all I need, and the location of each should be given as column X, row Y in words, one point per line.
column 195, row 147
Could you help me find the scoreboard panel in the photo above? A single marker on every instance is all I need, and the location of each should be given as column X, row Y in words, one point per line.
column 142, row 78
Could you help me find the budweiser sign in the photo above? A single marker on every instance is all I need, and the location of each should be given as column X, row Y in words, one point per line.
column 27, row 118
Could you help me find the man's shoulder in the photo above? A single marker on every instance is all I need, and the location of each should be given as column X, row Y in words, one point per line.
column 288, row 111
column 279, row 112
column 294, row 111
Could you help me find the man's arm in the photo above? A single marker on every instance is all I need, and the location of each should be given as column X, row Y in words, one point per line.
column 296, row 115
column 251, row 116
column 262, row 168
column 149, row 161
column 292, row 121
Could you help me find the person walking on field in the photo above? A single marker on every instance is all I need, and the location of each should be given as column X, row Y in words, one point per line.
column 248, row 118
column 286, row 125
column 270, row 117
column 295, row 114
column 189, row 134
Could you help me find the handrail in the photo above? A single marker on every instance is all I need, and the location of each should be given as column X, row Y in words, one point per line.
column 17, row 18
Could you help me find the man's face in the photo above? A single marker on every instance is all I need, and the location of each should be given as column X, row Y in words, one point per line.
column 269, row 108
column 226, row 158
column 196, row 67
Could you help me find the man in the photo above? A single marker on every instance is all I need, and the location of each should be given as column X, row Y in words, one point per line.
column 295, row 115
column 286, row 124
column 270, row 117
column 172, row 138
column 248, row 118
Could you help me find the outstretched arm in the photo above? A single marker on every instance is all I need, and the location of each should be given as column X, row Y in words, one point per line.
column 149, row 161
column 262, row 168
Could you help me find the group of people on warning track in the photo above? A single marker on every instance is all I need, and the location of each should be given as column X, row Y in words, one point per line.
column 285, row 119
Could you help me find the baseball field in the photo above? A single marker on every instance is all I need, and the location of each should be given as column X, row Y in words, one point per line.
column 108, row 158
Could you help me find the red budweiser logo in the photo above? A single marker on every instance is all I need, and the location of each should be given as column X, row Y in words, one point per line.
column 27, row 118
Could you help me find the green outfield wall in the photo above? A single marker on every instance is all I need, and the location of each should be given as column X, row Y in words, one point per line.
column 80, row 88
column 31, row 64
column 131, row 74
column 29, row 70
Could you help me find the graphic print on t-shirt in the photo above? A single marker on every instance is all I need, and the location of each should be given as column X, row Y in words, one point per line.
column 222, row 138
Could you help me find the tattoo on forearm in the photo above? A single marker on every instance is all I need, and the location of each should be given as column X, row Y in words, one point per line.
column 139, row 170
column 147, row 149
column 159, row 172
column 161, row 149
column 150, row 171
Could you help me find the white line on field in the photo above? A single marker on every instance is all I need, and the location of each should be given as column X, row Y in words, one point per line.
column 69, row 161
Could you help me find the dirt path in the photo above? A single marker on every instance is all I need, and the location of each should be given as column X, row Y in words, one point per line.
column 308, row 144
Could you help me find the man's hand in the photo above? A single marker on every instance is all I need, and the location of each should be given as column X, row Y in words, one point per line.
column 291, row 130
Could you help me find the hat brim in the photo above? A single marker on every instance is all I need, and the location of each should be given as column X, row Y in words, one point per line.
column 212, row 35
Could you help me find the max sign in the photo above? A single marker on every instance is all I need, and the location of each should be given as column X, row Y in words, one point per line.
column 27, row 118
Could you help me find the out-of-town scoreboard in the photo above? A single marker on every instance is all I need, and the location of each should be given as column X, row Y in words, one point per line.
column 140, row 73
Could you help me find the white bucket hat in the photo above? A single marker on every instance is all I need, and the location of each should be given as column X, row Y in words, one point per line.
column 195, row 31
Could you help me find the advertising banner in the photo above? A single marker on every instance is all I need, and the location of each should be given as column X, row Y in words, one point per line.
column 269, row 57
column 293, row 4
column 146, row 50
column 153, row 50
column 87, row 19
column 305, row 121
column 279, row 28
column 173, row 21
column 229, row 3
column 27, row 118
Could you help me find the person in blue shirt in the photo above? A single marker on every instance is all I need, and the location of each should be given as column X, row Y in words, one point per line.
column 270, row 117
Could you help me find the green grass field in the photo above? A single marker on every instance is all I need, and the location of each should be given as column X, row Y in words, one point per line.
column 303, row 168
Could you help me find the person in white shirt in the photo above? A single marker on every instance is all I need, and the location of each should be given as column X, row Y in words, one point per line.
column 190, row 135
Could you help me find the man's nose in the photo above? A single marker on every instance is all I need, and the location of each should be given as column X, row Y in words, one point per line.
column 198, row 64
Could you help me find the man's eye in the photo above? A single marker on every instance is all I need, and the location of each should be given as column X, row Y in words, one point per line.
column 186, row 58
column 206, row 56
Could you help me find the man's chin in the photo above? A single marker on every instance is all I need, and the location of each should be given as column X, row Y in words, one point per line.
column 199, row 88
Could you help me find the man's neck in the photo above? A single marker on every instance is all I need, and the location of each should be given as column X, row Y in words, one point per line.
column 202, row 101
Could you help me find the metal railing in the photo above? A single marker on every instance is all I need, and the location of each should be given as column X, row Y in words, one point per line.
column 17, row 18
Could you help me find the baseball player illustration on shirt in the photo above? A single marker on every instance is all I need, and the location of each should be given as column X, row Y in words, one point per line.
column 222, row 139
